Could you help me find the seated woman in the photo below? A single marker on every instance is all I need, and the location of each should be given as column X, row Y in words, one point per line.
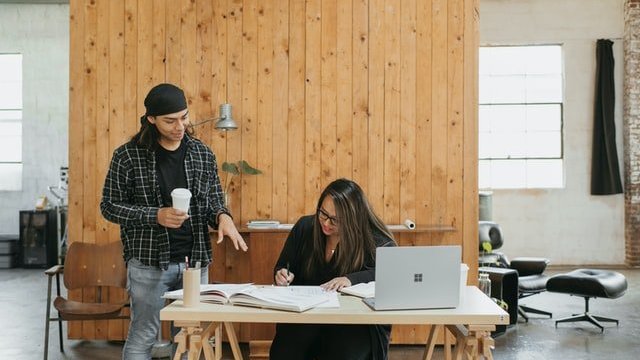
column 333, row 248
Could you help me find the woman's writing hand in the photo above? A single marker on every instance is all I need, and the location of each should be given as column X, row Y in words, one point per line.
column 284, row 277
column 336, row 283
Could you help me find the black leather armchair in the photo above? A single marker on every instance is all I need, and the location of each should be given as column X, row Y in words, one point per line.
column 531, row 277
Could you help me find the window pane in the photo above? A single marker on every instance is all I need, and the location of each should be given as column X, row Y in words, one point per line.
column 11, row 177
column 544, row 117
column 508, row 118
column 10, row 115
column 543, row 88
column 507, row 145
column 10, row 141
column 10, row 81
column 544, row 173
column 508, row 174
column 543, row 144
column 502, row 89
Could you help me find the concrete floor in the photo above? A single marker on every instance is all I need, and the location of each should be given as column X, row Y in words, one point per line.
column 23, row 298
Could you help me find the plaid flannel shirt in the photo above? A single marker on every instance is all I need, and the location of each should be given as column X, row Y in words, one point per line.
column 131, row 198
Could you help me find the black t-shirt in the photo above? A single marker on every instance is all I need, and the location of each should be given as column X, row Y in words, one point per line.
column 171, row 175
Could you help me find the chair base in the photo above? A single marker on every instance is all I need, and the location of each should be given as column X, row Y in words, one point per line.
column 586, row 316
column 594, row 319
column 523, row 310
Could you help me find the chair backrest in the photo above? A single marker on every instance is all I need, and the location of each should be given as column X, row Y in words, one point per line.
column 89, row 265
column 490, row 232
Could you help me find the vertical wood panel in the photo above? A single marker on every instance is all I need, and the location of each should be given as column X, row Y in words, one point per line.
column 249, row 104
column 424, row 117
column 408, row 163
column 313, row 103
column 381, row 91
column 344, row 89
column 392, row 90
column 77, row 69
column 172, row 43
column 470, row 133
column 328, row 127
column 219, row 78
column 264, row 144
column 158, row 42
column 360, row 92
column 116, row 128
column 189, row 55
column 439, row 91
column 203, row 100
column 455, row 170
column 280, row 110
column 375, row 190
column 89, row 122
column 101, row 327
column 235, row 64
column 295, row 131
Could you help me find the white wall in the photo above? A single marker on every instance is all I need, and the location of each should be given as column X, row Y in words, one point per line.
column 568, row 225
column 41, row 34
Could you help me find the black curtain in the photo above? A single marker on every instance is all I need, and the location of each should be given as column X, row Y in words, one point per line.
column 605, row 173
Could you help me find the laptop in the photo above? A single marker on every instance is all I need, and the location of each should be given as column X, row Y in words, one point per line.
column 416, row 277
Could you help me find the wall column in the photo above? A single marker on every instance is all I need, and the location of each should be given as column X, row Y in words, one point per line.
column 631, row 131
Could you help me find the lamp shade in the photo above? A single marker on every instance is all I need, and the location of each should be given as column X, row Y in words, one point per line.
column 225, row 121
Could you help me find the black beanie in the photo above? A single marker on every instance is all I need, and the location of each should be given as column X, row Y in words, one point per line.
column 164, row 99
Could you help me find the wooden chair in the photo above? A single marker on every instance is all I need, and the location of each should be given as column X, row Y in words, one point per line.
column 87, row 266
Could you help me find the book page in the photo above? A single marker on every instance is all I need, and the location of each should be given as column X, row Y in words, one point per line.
column 363, row 290
column 216, row 293
column 280, row 298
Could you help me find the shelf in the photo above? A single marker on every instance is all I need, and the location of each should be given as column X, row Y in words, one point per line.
column 285, row 228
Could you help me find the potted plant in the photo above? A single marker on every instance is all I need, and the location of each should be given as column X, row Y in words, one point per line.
column 234, row 169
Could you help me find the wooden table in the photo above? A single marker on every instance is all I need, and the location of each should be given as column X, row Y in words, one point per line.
column 471, row 323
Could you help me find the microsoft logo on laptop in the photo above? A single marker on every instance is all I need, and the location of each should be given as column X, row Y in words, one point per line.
column 417, row 277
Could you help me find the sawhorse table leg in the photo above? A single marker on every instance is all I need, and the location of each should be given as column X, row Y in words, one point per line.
column 474, row 341
column 194, row 339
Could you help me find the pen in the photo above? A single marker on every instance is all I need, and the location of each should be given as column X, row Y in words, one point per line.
column 288, row 273
column 186, row 263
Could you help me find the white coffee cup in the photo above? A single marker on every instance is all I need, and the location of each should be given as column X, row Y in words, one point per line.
column 180, row 198
column 191, row 287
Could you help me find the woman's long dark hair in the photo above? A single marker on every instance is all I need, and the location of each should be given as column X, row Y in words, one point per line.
column 357, row 224
column 148, row 135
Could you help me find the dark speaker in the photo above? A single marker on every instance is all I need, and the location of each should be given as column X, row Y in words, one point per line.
column 38, row 238
column 504, row 286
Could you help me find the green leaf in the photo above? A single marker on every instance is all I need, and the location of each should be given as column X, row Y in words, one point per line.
column 245, row 168
column 230, row 168
column 486, row 246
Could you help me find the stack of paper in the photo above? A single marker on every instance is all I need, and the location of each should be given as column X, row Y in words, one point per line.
column 363, row 290
column 263, row 224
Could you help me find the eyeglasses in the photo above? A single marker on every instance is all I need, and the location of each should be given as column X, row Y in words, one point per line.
column 323, row 217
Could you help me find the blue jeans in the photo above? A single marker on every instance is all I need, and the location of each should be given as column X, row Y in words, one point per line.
column 146, row 284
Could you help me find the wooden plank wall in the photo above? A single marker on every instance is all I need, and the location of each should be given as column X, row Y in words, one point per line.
column 380, row 91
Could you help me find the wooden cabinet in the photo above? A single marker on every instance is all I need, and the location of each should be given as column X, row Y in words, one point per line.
column 256, row 265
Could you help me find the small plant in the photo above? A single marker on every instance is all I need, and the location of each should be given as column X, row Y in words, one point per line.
column 237, row 168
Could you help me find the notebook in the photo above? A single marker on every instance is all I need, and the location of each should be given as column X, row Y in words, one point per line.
column 416, row 277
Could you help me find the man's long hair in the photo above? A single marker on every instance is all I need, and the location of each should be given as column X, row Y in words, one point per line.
column 148, row 135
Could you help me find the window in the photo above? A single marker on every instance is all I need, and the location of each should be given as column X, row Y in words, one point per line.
column 10, row 122
column 520, row 117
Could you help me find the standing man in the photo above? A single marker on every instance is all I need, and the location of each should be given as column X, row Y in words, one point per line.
column 157, row 239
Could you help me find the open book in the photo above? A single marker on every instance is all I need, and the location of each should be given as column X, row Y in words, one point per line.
column 363, row 290
column 291, row 298
column 213, row 293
